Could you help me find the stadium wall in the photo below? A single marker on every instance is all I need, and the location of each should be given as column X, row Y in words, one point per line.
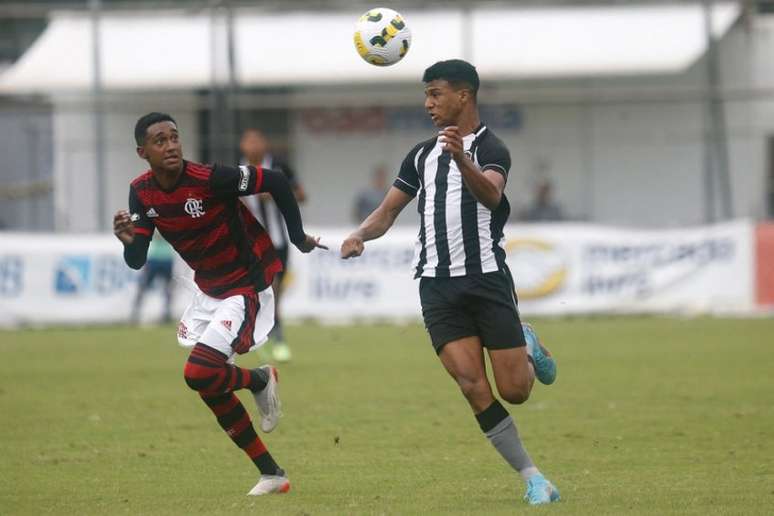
column 559, row 269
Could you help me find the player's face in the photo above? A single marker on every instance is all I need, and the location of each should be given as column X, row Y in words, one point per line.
column 253, row 146
column 443, row 103
column 162, row 148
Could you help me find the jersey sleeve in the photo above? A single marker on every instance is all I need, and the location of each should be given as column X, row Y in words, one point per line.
column 277, row 184
column 408, row 177
column 142, row 224
column 288, row 171
column 236, row 181
column 494, row 155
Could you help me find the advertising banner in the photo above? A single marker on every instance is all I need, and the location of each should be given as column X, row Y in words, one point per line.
column 558, row 269
column 71, row 279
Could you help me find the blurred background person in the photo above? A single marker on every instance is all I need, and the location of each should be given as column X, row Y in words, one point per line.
column 159, row 266
column 369, row 198
column 543, row 207
column 256, row 152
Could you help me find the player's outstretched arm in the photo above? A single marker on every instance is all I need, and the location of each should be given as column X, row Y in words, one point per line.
column 135, row 245
column 377, row 223
column 276, row 184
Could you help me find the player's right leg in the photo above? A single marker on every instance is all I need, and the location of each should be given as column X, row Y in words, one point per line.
column 209, row 372
column 482, row 314
column 464, row 361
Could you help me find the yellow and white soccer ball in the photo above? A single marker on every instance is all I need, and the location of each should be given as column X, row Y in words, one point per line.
column 382, row 37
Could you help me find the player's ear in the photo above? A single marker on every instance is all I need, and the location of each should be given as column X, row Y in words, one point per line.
column 141, row 152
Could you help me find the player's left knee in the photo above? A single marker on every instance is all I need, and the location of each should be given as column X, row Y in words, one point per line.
column 515, row 394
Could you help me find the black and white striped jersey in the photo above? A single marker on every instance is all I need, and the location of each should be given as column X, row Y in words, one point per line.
column 265, row 209
column 458, row 235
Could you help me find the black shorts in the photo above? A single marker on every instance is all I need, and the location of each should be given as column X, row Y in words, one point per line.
column 481, row 305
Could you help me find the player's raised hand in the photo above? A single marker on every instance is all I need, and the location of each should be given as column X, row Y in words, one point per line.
column 451, row 140
column 310, row 244
column 351, row 247
column 123, row 227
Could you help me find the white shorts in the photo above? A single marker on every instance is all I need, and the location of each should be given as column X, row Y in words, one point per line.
column 236, row 324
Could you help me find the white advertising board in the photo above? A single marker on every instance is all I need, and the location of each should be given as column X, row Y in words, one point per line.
column 558, row 269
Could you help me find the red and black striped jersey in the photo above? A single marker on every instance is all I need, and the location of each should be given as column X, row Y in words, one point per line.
column 212, row 230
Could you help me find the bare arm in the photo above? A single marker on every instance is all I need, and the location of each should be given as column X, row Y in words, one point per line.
column 377, row 223
column 487, row 186
column 278, row 186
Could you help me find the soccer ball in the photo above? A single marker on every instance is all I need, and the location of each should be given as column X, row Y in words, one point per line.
column 382, row 37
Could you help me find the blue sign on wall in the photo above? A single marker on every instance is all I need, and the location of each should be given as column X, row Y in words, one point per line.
column 11, row 275
column 79, row 274
column 71, row 275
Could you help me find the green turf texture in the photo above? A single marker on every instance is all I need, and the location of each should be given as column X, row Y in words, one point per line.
column 648, row 416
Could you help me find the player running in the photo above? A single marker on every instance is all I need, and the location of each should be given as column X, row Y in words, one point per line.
column 466, row 290
column 196, row 209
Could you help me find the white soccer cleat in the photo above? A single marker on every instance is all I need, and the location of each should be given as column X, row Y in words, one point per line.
column 268, row 401
column 271, row 484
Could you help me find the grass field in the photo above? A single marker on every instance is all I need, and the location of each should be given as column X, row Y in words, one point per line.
column 648, row 416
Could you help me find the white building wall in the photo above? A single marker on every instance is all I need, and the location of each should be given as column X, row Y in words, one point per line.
column 75, row 180
column 632, row 159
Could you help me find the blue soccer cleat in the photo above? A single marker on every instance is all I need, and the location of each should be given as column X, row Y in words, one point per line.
column 540, row 491
column 545, row 365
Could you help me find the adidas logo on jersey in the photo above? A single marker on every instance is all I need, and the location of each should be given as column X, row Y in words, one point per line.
column 151, row 213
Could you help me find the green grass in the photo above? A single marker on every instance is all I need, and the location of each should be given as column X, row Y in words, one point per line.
column 648, row 416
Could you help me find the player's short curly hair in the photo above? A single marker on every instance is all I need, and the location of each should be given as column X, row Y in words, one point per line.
column 145, row 121
column 456, row 71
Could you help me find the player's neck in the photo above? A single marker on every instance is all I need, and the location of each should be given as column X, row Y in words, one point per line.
column 468, row 122
column 167, row 179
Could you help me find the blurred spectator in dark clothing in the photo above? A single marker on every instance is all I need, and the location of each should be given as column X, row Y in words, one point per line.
column 368, row 199
column 543, row 208
column 159, row 266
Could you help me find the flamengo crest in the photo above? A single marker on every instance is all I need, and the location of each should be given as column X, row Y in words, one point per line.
column 194, row 207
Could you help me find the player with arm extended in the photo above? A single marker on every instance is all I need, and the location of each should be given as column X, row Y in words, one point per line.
column 466, row 290
column 196, row 208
